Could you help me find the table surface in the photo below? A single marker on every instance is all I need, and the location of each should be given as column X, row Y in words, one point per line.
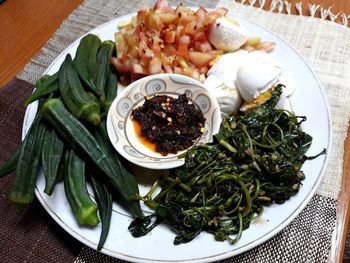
column 27, row 25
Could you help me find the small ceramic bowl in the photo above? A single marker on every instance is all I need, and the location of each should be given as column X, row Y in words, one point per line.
column 121, row 129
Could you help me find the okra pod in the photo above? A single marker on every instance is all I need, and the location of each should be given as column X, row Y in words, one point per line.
column 83, row 208
column 51, row 155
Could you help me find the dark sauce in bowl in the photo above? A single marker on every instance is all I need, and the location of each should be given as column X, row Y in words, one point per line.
column 168, row 124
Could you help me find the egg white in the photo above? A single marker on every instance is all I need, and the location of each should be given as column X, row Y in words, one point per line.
column 226, row 34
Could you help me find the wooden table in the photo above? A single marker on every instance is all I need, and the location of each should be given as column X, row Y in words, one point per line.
column 27, row 25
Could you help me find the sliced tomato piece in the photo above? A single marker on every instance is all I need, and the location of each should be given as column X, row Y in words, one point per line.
column 169, row 50
column 201, row 12
column 145, row 52
column 195, row 74
column 153, row 21
column 222, row 11
column 200, row 59
column 205, row 46
column 188, row 71
column 143, row 61
column 165, row 10
column 201, row 16
column 119, row 65
column 216, row 52
column 190, row 27
column 203, row 70
column 160, row 3
column 182, row 50
column 119, row 44
column 177, row 70
column 125, row 57
column 200, row 36
column 169, row 36
column 168, row 69
column 182, row 9
column 155, row 66
column 156, row 49
column 185, row 18
column 141, row 16
column 211, row 17
column 182, row 62
column 184, row 40
column 167, row 18
column 180, row 30
column 134, row 51
column 138, row 69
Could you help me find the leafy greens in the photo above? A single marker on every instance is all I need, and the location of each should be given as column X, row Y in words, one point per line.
column 254, row 161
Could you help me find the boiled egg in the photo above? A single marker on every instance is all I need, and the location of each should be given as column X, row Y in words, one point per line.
column 226, row 34
column 257, row 75
column 221, row 81
column 243, row 76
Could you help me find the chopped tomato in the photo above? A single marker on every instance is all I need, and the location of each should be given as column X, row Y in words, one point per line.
column 167, row 18
column 200, row 59
column 191, row 27
column 168, row 69
column 177, row 70
column 155, row 66
column 120, row 44
column 222, row 11
column 160, row 3
column 205, row 46
column 166, row 39
column 138, row 69
column 200, row 36
column 182, row 50
column 170, row 36
column 184, row 40
column 119, row 65
column 169, row 50
column 154, row 22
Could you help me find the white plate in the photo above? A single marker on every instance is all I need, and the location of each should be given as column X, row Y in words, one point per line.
column 121, row 129
column 308, row 100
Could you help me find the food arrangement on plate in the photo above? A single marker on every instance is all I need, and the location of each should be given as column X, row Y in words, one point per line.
column 254, row 159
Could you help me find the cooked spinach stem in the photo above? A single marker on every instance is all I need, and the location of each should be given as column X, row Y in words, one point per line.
column 228, row 146
column 238, row 236
column 317, row 155
column 257, row 188
column 237, row 206
column 229, row 188
column 177, row 181
column 244, row 188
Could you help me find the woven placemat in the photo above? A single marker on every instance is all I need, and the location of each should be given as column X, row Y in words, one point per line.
column 326, row 47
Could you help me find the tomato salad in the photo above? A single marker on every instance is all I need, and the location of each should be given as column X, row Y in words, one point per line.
column 164, row 39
